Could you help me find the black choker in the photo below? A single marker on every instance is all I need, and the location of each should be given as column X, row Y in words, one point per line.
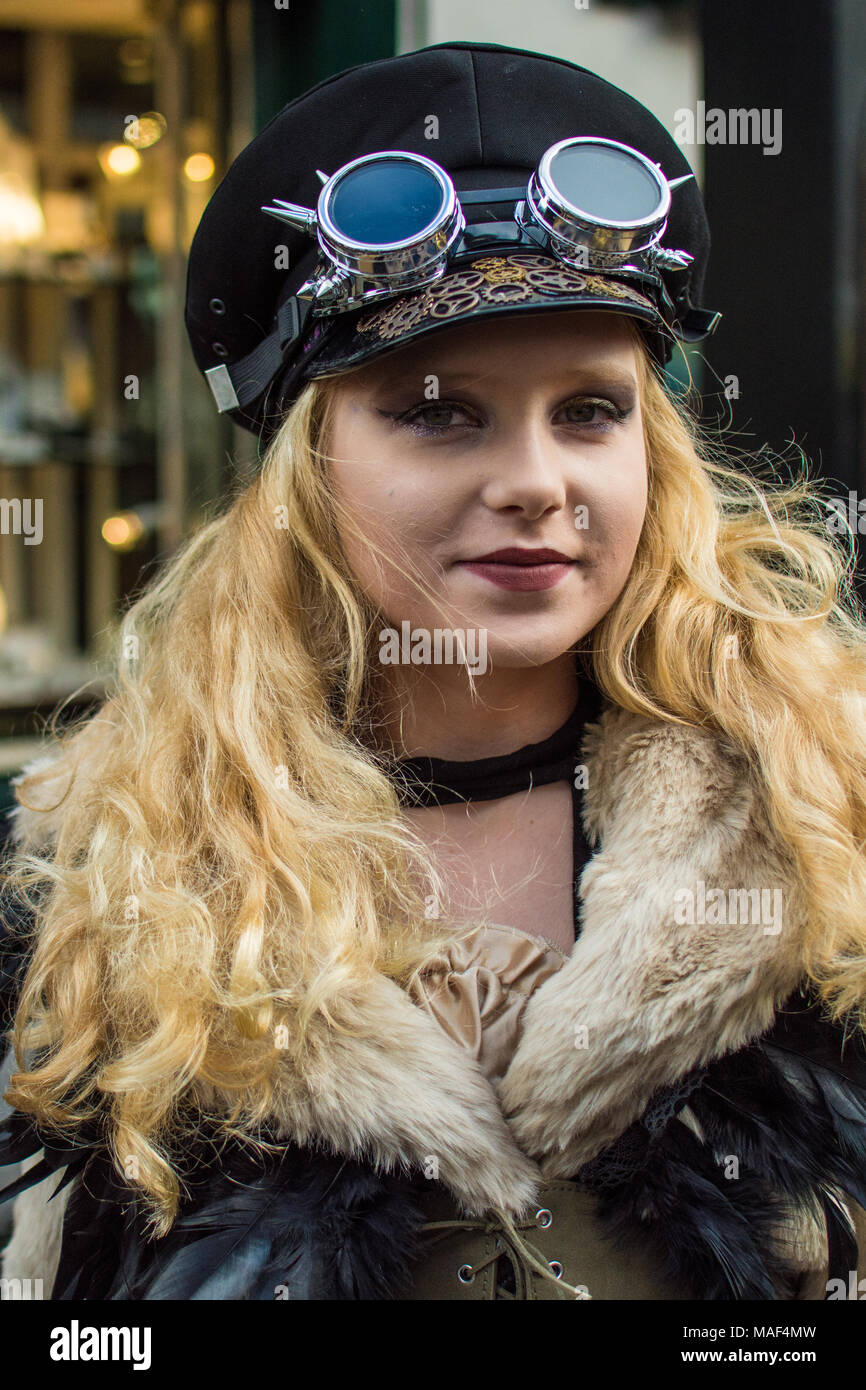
column 438, row 782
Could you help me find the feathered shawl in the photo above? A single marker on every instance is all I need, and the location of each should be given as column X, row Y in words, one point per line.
column 673, row 1065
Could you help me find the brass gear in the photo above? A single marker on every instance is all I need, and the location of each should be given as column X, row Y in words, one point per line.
column 504, row 273
column 397, row 318
column 460, row 301
column 460, row 280
column 608, row 287
column 556, row 279
column 505, row 293
column 531, row 262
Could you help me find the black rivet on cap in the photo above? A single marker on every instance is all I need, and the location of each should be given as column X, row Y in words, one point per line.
column 220, row 349
column 217, row 306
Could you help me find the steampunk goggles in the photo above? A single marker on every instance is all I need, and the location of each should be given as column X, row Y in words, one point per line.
column 392, row 222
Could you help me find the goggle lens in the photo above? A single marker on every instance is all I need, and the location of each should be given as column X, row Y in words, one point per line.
column 606, row 184
column 386, row 201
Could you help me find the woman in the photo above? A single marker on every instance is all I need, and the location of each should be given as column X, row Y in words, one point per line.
column 460, row 894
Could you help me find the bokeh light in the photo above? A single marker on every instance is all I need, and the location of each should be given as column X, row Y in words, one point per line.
column 199, row 168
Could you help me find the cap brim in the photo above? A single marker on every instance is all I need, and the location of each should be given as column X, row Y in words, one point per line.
column 484, row 288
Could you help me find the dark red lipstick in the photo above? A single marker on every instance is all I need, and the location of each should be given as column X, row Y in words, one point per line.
column 522, row 567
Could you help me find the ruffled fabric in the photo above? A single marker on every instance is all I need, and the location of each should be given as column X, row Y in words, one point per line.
column 478, row 987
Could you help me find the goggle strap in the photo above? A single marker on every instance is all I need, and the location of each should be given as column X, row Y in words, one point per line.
column 492, row 195
column 236, row 386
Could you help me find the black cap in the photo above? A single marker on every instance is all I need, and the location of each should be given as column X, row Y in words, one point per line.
column 496, row 111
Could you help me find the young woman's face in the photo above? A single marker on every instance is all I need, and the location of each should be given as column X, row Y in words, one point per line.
column 464, row 455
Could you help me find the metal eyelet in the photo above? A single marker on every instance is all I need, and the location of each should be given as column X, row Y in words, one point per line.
column 217, row 306
column 556, row 1267
column 220, row 349
column 466, row 1274
column 543, row 1218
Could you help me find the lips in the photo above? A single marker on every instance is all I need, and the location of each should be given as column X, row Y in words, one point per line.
column 521, row 568
column 518, row 555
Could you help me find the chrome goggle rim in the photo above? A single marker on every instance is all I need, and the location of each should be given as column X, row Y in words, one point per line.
column 397, row 263
column 572, row 226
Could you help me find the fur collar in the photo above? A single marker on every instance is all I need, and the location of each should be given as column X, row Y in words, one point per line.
column 643, row 998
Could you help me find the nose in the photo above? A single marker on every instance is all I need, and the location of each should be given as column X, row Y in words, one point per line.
column 525, row 471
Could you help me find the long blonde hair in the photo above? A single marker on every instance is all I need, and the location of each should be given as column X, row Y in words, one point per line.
column 226, row 856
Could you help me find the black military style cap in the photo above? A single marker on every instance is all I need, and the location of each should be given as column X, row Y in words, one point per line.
column 492, row 112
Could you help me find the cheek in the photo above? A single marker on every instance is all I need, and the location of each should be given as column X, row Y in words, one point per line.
column 616, row 510
column 385, row 521
column 382, row 506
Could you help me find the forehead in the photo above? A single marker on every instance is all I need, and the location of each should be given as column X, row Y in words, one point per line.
column 556, row 341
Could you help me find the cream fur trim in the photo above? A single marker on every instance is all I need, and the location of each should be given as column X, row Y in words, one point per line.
column 643, row 999
column 671, row 807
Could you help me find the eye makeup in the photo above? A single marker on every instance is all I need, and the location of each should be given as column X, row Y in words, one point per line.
column 420, row 418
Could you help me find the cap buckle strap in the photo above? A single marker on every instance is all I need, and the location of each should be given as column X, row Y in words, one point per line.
column 236, row 386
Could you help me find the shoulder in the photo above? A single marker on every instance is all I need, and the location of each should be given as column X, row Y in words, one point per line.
column 668, row 777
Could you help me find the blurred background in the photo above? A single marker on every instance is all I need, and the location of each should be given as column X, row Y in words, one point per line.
column 119, row 117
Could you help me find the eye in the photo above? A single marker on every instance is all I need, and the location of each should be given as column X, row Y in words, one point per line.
column 437, row 418
column 582, row 410
column 434, row 417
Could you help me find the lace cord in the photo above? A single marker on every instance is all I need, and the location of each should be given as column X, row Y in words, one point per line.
column 525, row 1257
column 626, row 1156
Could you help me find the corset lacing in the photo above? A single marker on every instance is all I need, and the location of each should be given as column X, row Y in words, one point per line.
column 526, row 1259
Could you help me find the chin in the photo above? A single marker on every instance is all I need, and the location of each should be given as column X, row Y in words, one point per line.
column 516, row 651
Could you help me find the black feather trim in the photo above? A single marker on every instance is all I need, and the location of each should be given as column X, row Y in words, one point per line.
column 299, row 1225
column 21, row 1138
column 791, row 1108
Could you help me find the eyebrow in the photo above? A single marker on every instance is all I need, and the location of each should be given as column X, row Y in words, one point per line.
column 455, row 378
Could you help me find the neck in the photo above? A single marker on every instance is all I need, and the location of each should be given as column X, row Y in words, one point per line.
column 431, row 712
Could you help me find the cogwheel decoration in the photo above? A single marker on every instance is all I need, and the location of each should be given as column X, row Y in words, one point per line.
column 372, row 322
column 504, row 272
column 505, row 293
column 460, row 280
column 607, row 287
column 492, row 280
column 397, row 318
column 530, row 262
column 450, row 302
column 489, row 267
column 556, row 280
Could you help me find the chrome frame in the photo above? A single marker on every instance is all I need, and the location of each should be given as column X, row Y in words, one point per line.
column 395, row 260
column 578, row 238
column 571, row 227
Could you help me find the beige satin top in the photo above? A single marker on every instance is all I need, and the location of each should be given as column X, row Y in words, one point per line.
column 477, row 990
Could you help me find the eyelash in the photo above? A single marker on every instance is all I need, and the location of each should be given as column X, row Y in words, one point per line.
column 410, row 419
